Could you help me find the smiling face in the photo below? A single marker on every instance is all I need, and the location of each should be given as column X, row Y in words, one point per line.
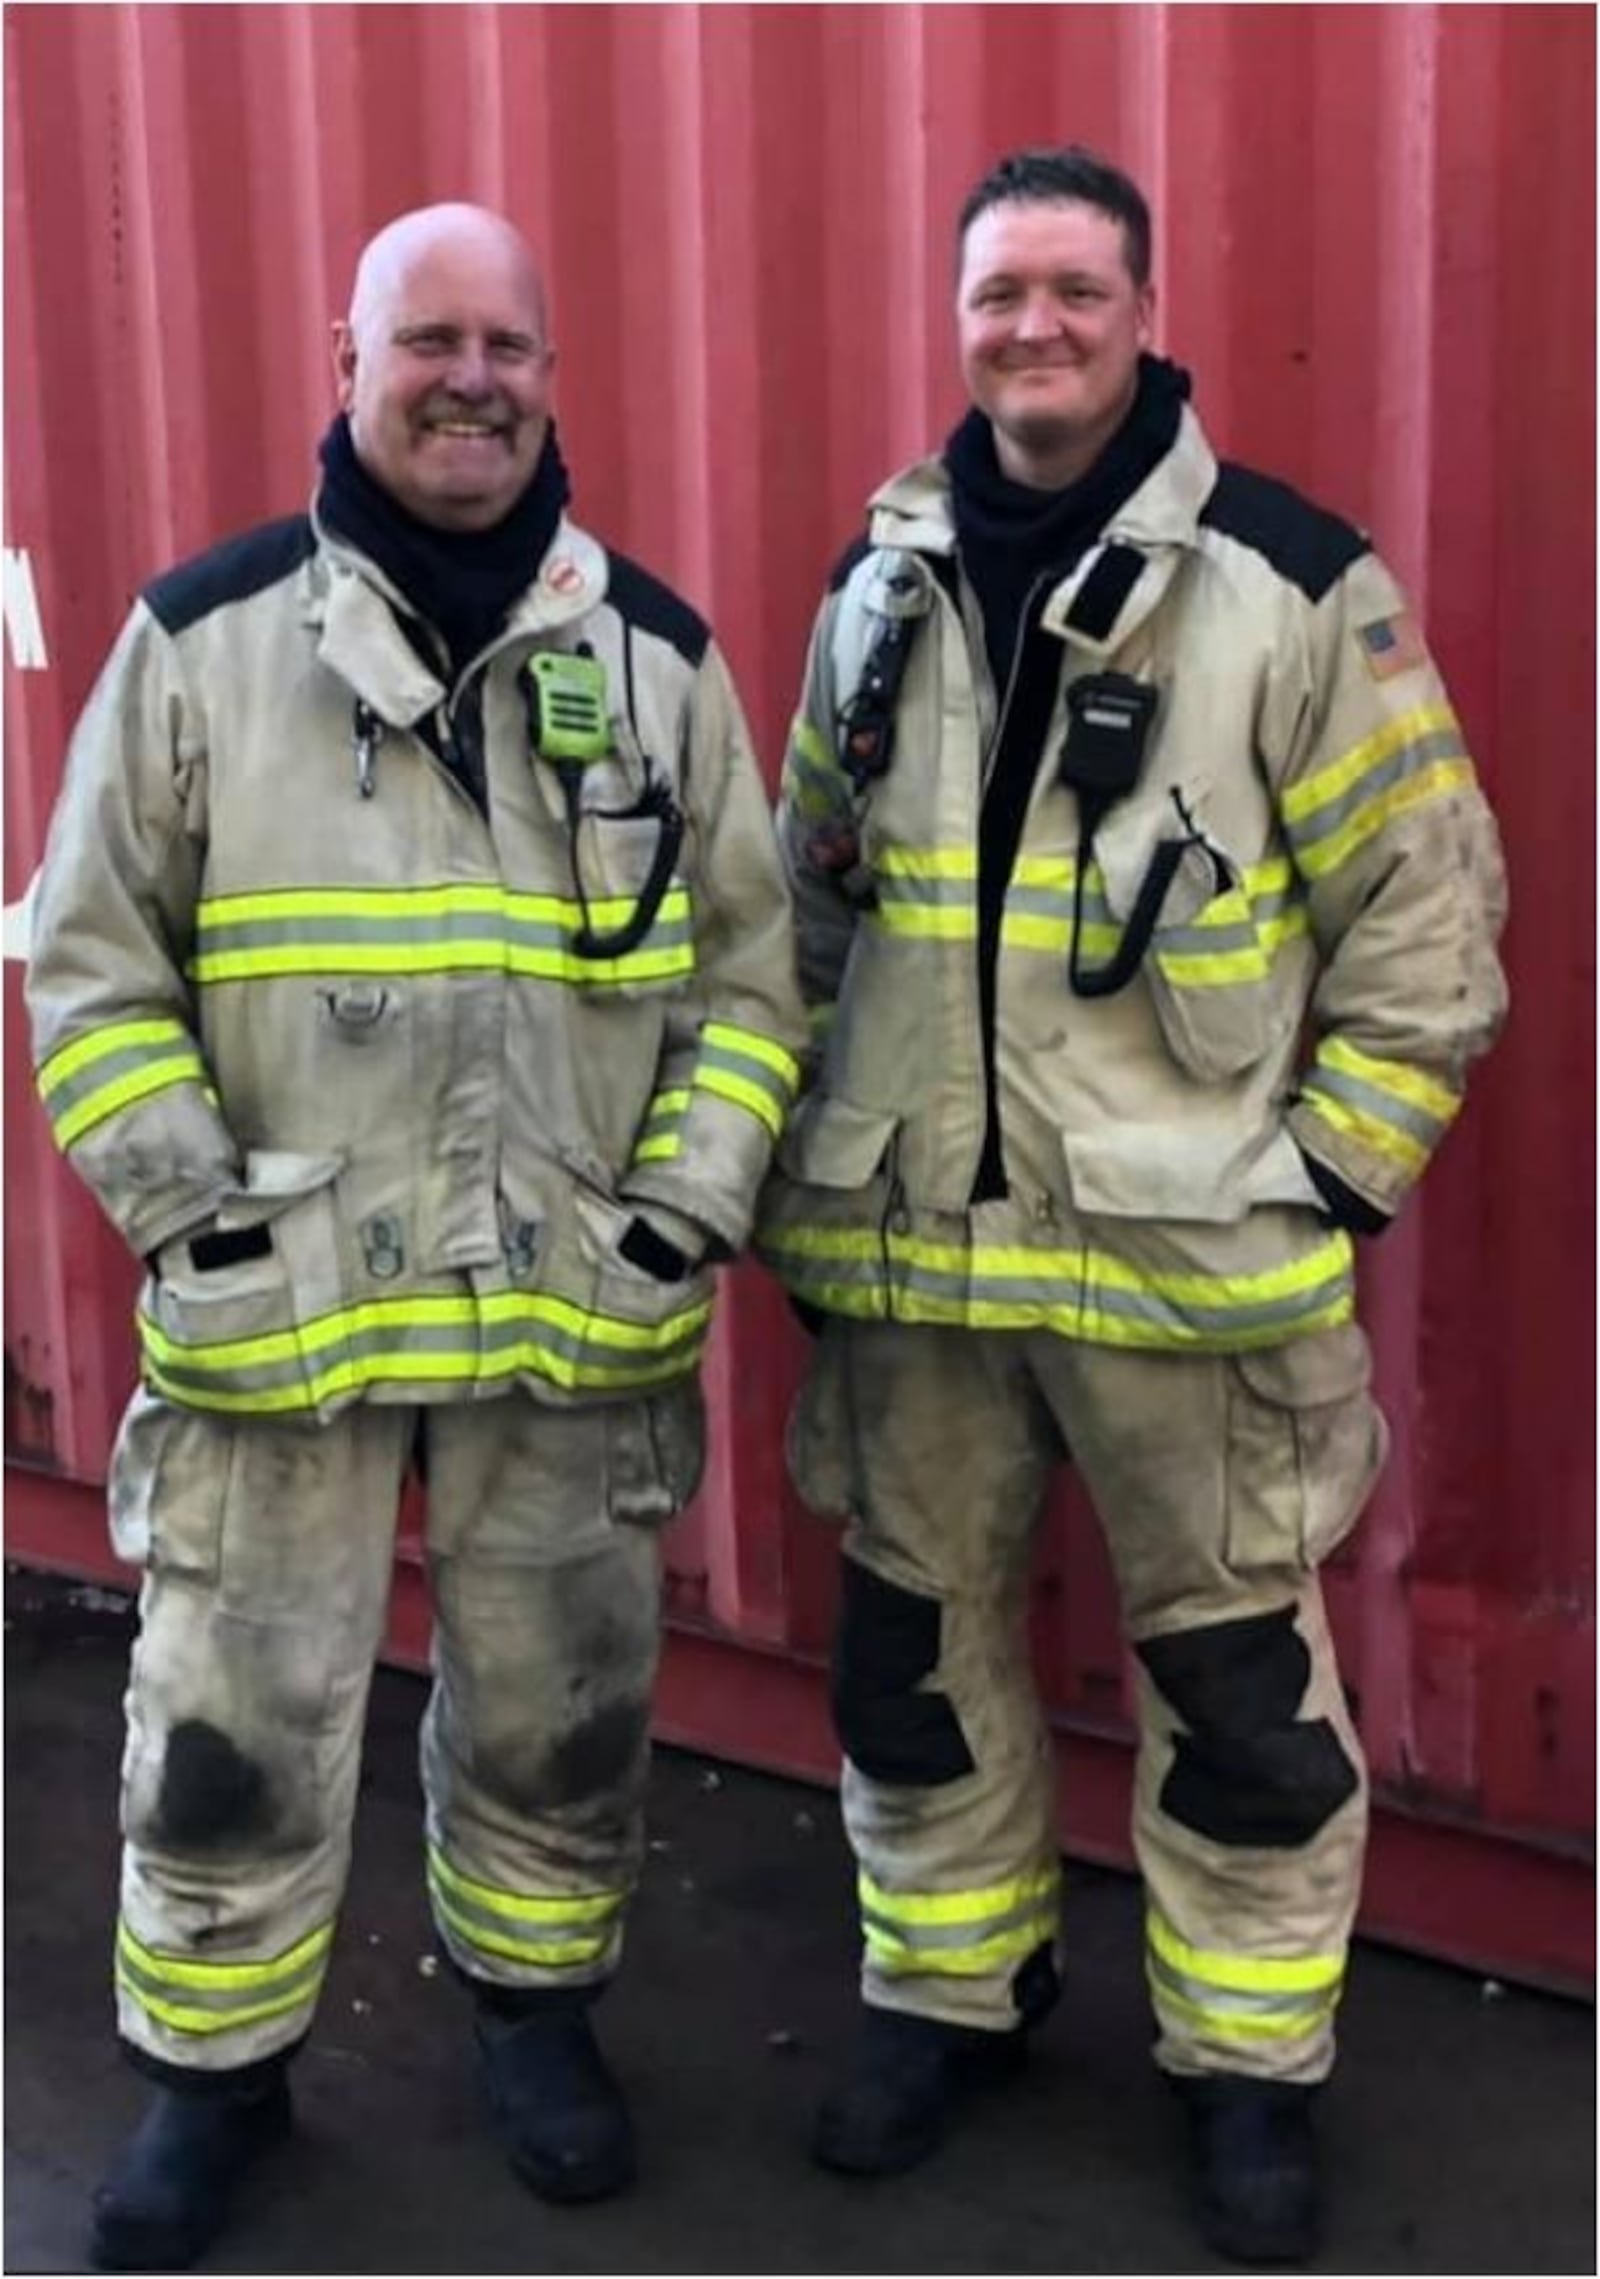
column 443, row 367
column 1051, row 324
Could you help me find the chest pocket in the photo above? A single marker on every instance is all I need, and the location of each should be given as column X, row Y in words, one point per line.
column 1222, row 966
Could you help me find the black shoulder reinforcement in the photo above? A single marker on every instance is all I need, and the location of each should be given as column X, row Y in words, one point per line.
column 232, row 571
column 1304, row 543
column 654, row 608
column 1248, row 1771
column 888, row 1641
column 857, row 551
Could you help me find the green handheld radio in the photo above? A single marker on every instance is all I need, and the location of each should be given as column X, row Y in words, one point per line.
column 569, row 726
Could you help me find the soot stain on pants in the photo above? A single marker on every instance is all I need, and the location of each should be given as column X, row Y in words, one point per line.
column 210, row 1791
column 595, row 1756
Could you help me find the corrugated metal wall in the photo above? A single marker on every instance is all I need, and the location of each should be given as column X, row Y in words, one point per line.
column 1375, row 250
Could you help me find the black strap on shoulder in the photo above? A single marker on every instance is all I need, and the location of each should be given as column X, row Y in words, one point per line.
column 1097, row 604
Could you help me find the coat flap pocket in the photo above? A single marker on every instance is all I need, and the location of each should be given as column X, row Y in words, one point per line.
column 1158, row 1171
column 832, row 1143
column 1310, row 1372
column 275, row 1178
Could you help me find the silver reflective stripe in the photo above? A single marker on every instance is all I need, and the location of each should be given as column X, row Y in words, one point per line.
column 1375, row 1100
column 1323, row 821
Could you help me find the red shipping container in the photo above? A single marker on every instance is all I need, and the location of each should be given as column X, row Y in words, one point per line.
column 1375, row 250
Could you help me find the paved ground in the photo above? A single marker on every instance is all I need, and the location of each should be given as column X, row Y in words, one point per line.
column 1460, row 2130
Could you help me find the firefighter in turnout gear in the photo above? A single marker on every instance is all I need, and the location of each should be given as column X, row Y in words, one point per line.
column 413, row 985
column 1147, row 910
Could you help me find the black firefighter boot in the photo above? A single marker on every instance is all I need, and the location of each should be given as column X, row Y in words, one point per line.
column 1255, row 2166
column 170, row 2189
column 906, row 2077
column 559, row 2111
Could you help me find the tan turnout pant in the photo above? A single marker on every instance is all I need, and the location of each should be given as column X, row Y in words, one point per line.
column 268, row 1550
column 1220, row 1481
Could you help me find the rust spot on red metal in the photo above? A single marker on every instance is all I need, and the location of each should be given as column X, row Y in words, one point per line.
column 30, row 1414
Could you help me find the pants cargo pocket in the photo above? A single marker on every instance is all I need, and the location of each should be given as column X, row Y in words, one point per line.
column 1306, row 1442
column 167, row 1488
column 655, row 1455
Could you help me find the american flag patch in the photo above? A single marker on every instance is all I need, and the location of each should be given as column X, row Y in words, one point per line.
column 1392, row 645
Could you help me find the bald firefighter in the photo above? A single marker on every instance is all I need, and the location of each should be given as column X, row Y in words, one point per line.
column 413, row 986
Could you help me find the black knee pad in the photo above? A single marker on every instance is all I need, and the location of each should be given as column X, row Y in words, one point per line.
column 211, row 1793
column 888, row 1639
column 1248, row 1771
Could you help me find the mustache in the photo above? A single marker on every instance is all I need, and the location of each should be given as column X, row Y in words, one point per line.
column 483, row 411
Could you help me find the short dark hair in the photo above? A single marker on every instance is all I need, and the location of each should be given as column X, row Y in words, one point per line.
column 1051, row 177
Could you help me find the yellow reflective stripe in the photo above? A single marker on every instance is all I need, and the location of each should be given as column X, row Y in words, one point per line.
column 756, row 1046
column 1214, row 969
column 1332, row 782
column 898, row 1961
column 928, row 862
column 158, row 1076
column 1409, row 1084
column 671, row 1102
column 84, row 1051
column 184, row 2019
column 378, row 1314
column 813, row 745
column 550, row 1951
column 1030, row 930
column 382, row 902
column 958, row 1906
column 1055, row 1265
column 1241, row 2026
column 928, row 920
column 579, row 1907
column 1384, row 1139
column 221, row 1975
column 661, row 1149
column 743, row 1093
column 1432, row 782
column 412, row 1368
column 1243, row 1974
column 552, row 964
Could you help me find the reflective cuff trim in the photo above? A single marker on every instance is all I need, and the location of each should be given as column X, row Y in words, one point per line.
column 576, row 1907
column 751, row 1070
column 1396, row 1111
column 1073, row 1293
column 432, row 929
column 958, row 1933
column 663, row 1122
column 395, row 1343
column 223, row 1996
column 813, row 780
column 1240, row 1997
column 577, row 1930
column 110, row 1068
column 1417, row 757
column 957, row 1907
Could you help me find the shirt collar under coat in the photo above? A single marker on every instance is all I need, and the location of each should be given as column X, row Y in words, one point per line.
column 352, row 606
column 1161, row 519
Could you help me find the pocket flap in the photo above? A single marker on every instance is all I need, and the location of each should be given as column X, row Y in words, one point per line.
column 274, row 1178
column 1157, row 1171
column 832, row 1143
column 1310, row 1372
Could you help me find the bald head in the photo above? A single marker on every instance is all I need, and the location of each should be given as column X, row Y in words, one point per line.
column 444, row 364
column 386, row 258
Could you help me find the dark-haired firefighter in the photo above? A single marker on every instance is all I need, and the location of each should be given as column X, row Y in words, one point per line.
column 1148, row 911
column 413, row 985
